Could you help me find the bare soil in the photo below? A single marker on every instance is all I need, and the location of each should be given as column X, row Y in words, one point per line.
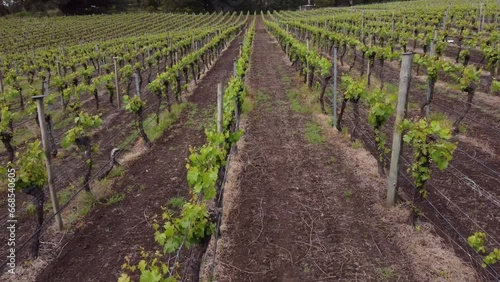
column 305, row 210
column 96, row 251
column 69, row 167
column 463, row 198
column 302, row 212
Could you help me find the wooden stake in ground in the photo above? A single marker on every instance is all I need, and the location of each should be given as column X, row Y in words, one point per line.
column 307, row 64
column 234, row 68
column 1, row 85
column 137, row 86
column 48, row 159
column 117, row 85
column 98, row 61
column 430, row 84
column 393, row 26
column 335, row 86
column 397, row 139
column 362, row 25
column 445, row 18
column 220, row 105
column 287, row 32
column 479, row 27
column 58, row 67
column 369, row 64
column 482, row 18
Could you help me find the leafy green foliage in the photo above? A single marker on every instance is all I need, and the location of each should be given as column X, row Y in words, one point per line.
column 381, row 107
column 203, row 169
column 495, row 86
column 353, row 89
column 469, row 76
column 169, row 77
column 133, row 104
column 5, row 118
column 83, row 122
column 298, row 50
column 188, row 228
column 126, row 72
column 193, row 223
column 31, row 172
column 151, row 267
column 434, row 65
column 478, row 241
column 430, row 146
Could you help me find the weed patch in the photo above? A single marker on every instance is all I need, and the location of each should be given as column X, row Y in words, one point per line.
column 313, row 133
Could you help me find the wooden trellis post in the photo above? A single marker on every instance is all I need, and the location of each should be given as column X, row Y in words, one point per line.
column 48, row 159
column 397, row 139
column 220, row 106
column 117, row 84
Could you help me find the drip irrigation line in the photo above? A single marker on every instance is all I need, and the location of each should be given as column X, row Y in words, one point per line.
column 111, row 137
column 376, row 68
column 27, row 121
column 446, row 219
column 465, row 214
column 171, row 272
column 103, row 138
column 219, row 216
column 18, row 210
column 465, row 102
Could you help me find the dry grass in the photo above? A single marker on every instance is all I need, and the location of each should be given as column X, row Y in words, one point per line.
column 26, row 272
column 430, row 258
column 102, row 189
column 134, row 153
column 486, row 99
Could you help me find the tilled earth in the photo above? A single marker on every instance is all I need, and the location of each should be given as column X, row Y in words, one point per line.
column 109, row 233
column 295, row 218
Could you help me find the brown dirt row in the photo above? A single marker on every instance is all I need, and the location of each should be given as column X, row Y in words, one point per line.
column 98, row 246
column 465, row 193
column 307, row 205
column 69, row 167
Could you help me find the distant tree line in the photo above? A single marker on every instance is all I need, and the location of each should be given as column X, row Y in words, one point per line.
column 196, row 6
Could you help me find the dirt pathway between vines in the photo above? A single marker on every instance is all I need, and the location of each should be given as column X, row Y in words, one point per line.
column 307, row 205
column 97, row 250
